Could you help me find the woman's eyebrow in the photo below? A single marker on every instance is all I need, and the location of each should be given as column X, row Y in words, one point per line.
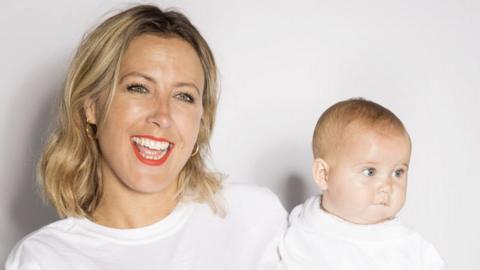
column 187, row 84
column 137, row 74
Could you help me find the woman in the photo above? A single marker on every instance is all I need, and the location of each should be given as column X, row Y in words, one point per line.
column 126, row 167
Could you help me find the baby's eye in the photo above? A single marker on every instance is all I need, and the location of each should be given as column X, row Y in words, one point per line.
column 185, row 97
column 369, row 171
column 398, row 173
column 137, row 88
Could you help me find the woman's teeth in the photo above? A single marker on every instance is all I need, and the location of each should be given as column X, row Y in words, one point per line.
column 154, row 145
column 155, row 155
column 151, row 149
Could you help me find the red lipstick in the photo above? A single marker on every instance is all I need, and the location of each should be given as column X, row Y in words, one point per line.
column 146, row 154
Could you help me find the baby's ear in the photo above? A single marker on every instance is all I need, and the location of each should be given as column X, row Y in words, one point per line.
column 320, row 173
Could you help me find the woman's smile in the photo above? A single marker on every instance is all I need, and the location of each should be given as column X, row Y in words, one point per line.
column 151, row 150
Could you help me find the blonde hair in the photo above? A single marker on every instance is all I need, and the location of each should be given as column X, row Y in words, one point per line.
column 69, row 166
column 332, row 125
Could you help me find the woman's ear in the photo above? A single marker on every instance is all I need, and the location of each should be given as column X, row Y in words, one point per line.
column 320, row 173
column 90, row 109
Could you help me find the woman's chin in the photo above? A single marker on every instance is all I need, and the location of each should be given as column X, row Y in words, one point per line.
column 151, row 185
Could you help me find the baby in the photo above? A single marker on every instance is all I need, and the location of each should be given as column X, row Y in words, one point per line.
column 362, row 153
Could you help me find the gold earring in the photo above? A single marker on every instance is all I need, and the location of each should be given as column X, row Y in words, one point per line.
column 90, row 132
column 197, row 148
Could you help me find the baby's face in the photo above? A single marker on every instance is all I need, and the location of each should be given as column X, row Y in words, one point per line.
column 367, row 178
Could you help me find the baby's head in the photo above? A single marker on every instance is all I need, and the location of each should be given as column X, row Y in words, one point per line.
column 362, row 152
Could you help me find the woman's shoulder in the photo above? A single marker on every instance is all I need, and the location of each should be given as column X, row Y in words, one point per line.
column 31, row 247
column 252, row 200
column 249, row 194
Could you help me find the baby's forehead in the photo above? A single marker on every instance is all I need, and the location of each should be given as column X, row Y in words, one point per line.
column 355, row 129
column 363, row 125
column 361, row 141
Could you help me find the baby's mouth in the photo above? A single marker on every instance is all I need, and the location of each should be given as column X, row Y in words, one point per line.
column 383, row 199
column 151, row 151
column 385, row 202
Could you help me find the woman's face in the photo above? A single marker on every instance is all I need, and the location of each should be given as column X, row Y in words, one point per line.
column 154, row 118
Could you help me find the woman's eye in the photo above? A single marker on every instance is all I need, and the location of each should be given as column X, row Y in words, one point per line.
column 369, row 171
column 398, row 173
column 137, row 88
column 185, row 97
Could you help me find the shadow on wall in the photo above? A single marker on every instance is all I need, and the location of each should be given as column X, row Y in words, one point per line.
column 295, row 191
column 34, row 107
column 286, row 175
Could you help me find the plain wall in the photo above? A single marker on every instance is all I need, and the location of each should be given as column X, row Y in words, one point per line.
column 281, row 64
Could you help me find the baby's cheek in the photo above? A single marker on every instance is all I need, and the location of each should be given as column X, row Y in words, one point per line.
column 401, row 199
column 400, row 192
column 397, row 203
column 362, row 199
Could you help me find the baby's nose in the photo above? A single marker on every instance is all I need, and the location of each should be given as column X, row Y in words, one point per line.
column 387, row 185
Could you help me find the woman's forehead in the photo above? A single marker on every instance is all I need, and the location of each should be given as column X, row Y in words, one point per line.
column 162, row 58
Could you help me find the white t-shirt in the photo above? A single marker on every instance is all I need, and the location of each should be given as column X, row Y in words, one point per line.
column 191, row 237
column 318, row 240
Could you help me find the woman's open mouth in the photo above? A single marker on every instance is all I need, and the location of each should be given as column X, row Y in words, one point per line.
column 151, row 150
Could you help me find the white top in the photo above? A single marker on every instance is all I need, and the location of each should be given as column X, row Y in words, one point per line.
column 191, row 237
column 316, row 239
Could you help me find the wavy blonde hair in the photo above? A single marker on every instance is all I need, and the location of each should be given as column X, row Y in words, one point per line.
column 69, row 166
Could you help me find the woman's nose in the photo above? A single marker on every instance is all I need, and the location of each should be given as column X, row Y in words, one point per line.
column 160, row 113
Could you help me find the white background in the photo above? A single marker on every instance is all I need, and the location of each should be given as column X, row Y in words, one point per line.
column 281, row 64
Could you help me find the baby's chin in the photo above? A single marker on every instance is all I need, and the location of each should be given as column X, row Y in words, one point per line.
column 367, row 220
column 371, row 217
column 366, row 214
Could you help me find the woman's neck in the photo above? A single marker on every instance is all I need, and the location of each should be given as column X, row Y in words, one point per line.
column 124, row 208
